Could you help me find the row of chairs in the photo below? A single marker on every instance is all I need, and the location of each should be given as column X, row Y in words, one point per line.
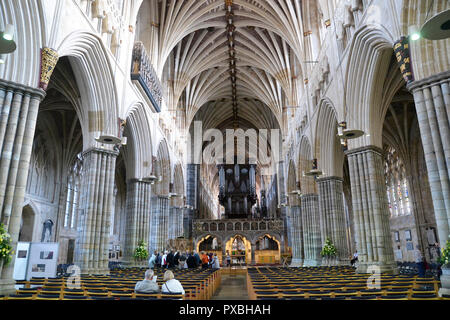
column 198, row 285
column 410, row 268
column 338, row 282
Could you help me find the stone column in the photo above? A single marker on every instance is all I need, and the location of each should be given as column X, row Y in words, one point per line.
column 332, row 216
column 192, row 188
column 171, row 223
column 96, row 201
column 311, row 229
column 370, row 209
column 19, row 107
column 163, row 222
column 138, row 218
column 432, row 100
column 297, row 237
column 154, row 223
column 283, row 202
column 253, row 246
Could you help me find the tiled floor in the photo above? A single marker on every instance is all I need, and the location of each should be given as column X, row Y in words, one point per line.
column 233, row 287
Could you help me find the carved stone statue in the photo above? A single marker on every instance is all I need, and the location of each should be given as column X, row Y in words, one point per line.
column 47, row 231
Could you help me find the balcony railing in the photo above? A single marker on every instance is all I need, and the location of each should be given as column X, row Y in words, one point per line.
column 239, row 225
column 143, row 72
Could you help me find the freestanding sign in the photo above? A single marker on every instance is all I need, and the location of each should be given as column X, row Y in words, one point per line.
column 22, row 257
column 43, row 259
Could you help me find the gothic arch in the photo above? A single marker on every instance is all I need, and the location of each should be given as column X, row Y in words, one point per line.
column 137, row 152
column 95, row 78
column 23, row 65
column 327, row 144
column 371, row 53
column 428, row 57
column 307, row 184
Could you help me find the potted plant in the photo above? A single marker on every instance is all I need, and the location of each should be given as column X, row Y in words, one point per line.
column 5, row 246
column 328, row 251
column 141, row 252
column 444, row 261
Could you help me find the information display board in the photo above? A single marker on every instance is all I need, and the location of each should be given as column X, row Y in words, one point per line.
column 22, row 257
column 43, row 258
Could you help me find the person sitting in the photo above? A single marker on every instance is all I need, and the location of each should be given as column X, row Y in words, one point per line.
column 171, row 285
column 147, row 285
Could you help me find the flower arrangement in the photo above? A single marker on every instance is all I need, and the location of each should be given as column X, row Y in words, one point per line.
column 141, row 253
column 445, row 256
column 5, row 246
column 329, row 249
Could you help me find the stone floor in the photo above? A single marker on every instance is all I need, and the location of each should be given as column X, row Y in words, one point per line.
column 233, row 287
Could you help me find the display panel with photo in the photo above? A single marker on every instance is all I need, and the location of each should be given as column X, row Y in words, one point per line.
column 38, row 268
column 408, row 235
column 21, row 254
column 46, row 255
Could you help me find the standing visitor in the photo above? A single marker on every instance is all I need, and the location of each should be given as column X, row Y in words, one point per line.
column 228, row 259
column 152, row 261
column 418, row 257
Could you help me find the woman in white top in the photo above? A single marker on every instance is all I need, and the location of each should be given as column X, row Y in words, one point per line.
column 171, row 285
column 164, row 259
column 216, row 263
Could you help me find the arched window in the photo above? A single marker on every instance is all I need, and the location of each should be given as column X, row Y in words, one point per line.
column 396, row 184
column 72, row 199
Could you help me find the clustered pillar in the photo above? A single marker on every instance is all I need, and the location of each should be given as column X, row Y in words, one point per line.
column 297, row 236
column 370, row 210
column 92, row 244
column 332, row 216
column 138, row 216
column 432, row 100
column 160, row 223
column 283, row 200
column 19, row 109
column 311, row 230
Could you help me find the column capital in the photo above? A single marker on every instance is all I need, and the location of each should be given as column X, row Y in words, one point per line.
column 138, row 180
column 309, row 195
column 429, row 81
column 17, row 87
column 365, row 149
column 99, row 150
column 324, row 179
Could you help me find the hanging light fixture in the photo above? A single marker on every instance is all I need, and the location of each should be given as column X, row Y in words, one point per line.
column 7, row 44
column 108, row 139
column 314, row 172
column 151, row 179
column 437, row 27
column 345, row 134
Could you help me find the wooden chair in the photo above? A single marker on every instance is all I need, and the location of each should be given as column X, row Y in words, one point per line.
column 19, row 297
column 149, row 296
column 48, row 297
